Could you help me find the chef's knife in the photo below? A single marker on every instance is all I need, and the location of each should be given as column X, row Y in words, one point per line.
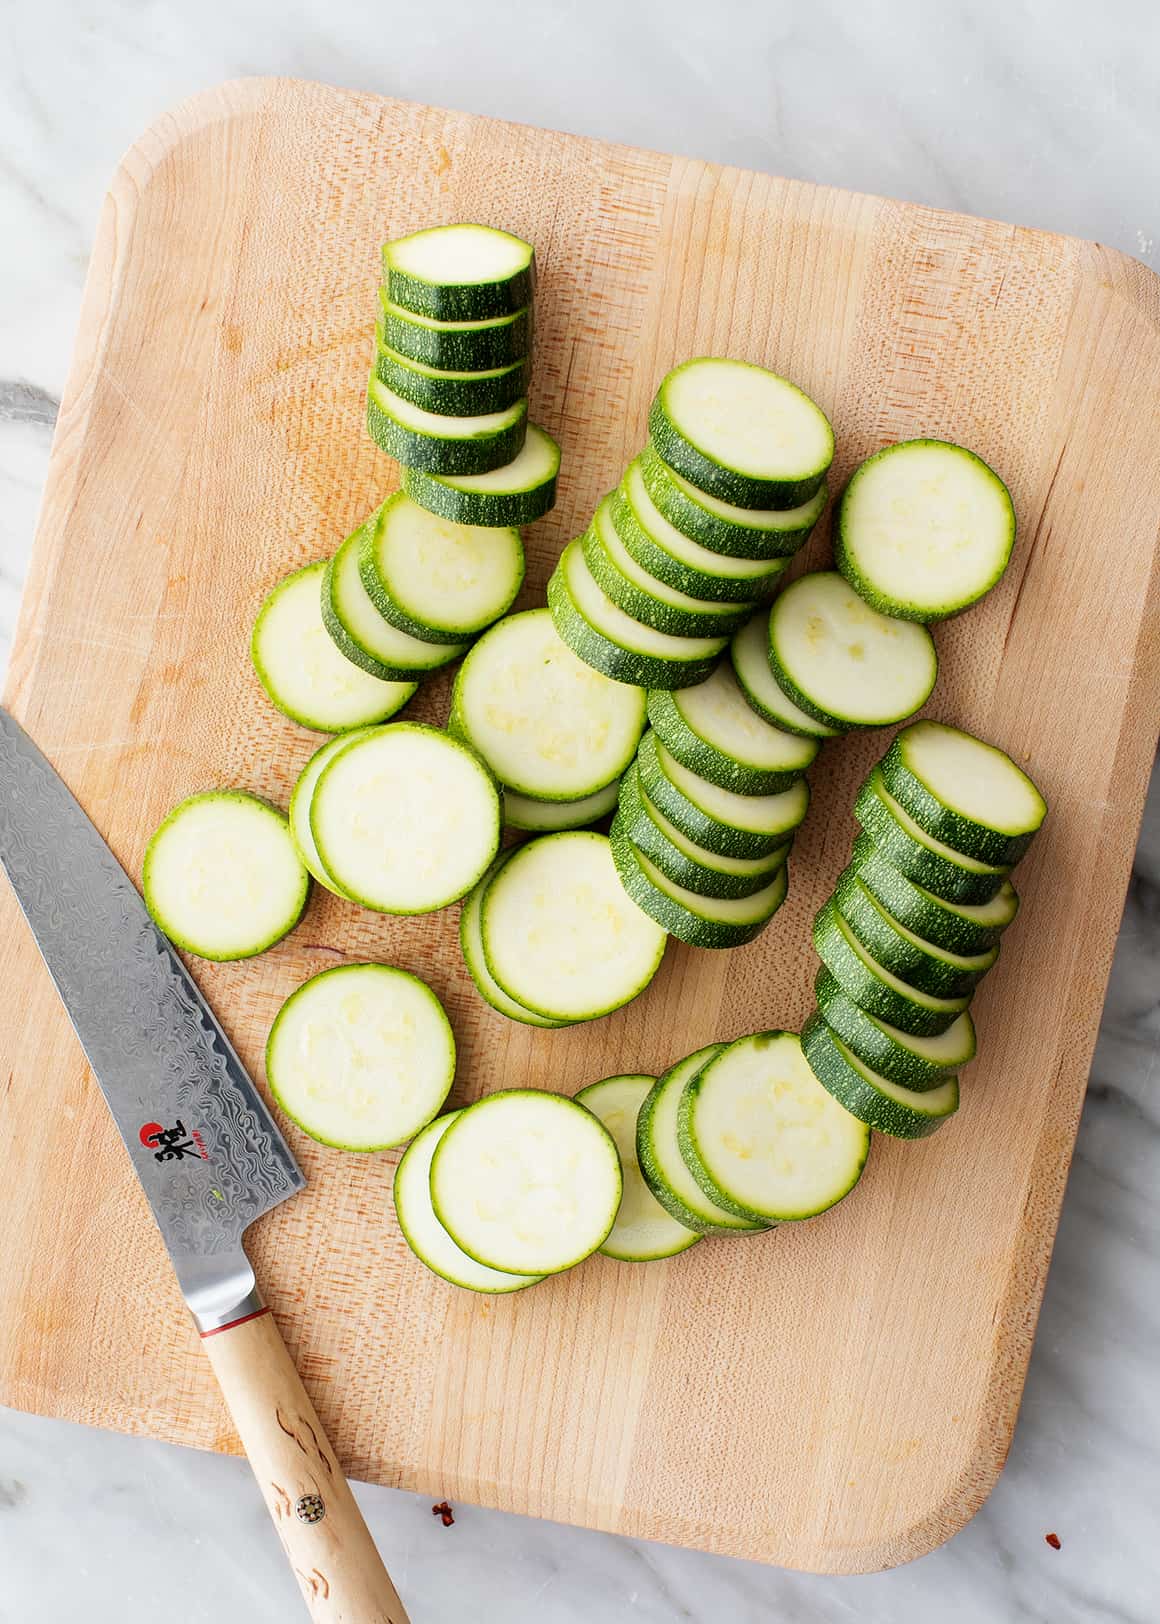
column 209, row 1156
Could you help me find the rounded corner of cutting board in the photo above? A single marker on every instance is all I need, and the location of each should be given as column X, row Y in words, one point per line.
column 228, row 101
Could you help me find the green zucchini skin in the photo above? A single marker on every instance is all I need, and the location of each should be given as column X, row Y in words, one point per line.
column 950, row 881
column 892, row 1053
column 944, row 924
column 652, row 611
column 708, row 760
column 874, row 927
column 749, row 654
column 901, row 1118
column 652, row 556
column 673, row 916
column 693, row 821
column 945, row 823
column 868, row 990
column 693, row 519
column 439, row 455
column 501, row 509
column 458, row 349
column 638, row 821
column 459, row 301
column 452, row 394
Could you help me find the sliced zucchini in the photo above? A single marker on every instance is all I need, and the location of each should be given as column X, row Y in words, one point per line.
column 442, row 444
column 546, row 817
column 454, row 394
column 872, row 986
column 918, row 1063
column 559, row 934
column 222, row 876
column 526, row 1182
column 722, row 527
column 689, row 915
column 517, row 493
column 841, row 661
column 919, row 963
column 643, row 1230
column 457, row 346
column 667, row 555
column 547, row 724
column 922, row 858
column 459, row 272
column 719, row 819
column 423, row 1232
column 305, row 675
column 299, row 813
column 967, row 794
column 405, row 819
column 436, row 580
column 713, row 731
column 681, row 859
column 359, row 631
column 471, row 944
column 963, row 927
column 762, row 1138
column 749, row 652
column 741, row 433
column 612, row 642
column 361, row 1056
column 924, row 529
column 663, row 1167
column 905, row 1113
column 642, row 596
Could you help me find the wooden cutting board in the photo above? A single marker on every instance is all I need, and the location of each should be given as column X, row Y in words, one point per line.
column 836, row 1396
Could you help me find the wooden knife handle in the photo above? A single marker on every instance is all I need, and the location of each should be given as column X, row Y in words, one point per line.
column 322, row 1530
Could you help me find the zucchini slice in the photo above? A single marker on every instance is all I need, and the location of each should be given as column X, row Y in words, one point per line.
column 457, row 346
column 842, row 662
column 901, row 1112
column 299, row 812
column 681, row 859
column 471, row 944
column 872, row 986
column 713, row 731
column 741, row 433
column 547, row 817
column 924, row 529
column 699, row 920
column 559, row 934
column 222, row 876
column 923, row 859
column 361, row 1056
column 919, row 963
column 668, row 556
column 454, row 394
column 359, row 631
column 459, row 272
column 720, row 819
column 968, row 794
column 517, row 493
column 423, row 1232
column 612, row 642
column 917, row 1063
column 305, row 675
column 663, row 1167
column 763, row 1138
column 436, row 580
column 526, row 1182
column 963, row 927
column 644, row 1231
column 547, row 724
column 442, row 444
column 754, row 533
column 642, row 596
column 749, row 653
column 405, row 819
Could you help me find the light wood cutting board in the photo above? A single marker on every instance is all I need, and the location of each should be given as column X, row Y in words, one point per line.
column 836, row 1396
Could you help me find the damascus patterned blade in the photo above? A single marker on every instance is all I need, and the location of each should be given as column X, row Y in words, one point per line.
column 205, row 1147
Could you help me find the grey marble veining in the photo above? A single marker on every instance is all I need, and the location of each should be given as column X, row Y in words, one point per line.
column 1045, row 113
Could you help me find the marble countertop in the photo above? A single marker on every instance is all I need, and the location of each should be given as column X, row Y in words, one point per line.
column 1042, row 114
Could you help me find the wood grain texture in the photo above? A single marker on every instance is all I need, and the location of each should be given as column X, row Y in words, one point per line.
column 837, row 1396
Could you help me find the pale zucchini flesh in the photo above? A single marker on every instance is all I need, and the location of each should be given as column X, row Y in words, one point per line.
column 516, row 493
column 360, row 631
column 768, row 534
column 889, row 1107
column 649, row 600
column 699, row 920
column 872, row 986
column 915, row 1062
column 949, row 874
column 442, row 444
column 696, row 867
column 917, row 962
column 720, row 819
column 713, row 731
column 749, row 653
column 964, row 927
column 471, row 946
column 459, row 272
column 644, row 1231
column 299, row 811
column 547, row 817
column 964, row 792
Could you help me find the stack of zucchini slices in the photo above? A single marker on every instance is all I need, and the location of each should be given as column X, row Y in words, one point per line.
column 914, row 924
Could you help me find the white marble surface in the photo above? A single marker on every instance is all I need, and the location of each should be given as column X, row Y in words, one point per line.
column 1045, row 113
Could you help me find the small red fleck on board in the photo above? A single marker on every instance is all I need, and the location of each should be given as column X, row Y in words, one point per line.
column 1053, row 1541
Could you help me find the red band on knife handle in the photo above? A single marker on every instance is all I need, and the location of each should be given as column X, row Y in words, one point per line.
column 218, row 1329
